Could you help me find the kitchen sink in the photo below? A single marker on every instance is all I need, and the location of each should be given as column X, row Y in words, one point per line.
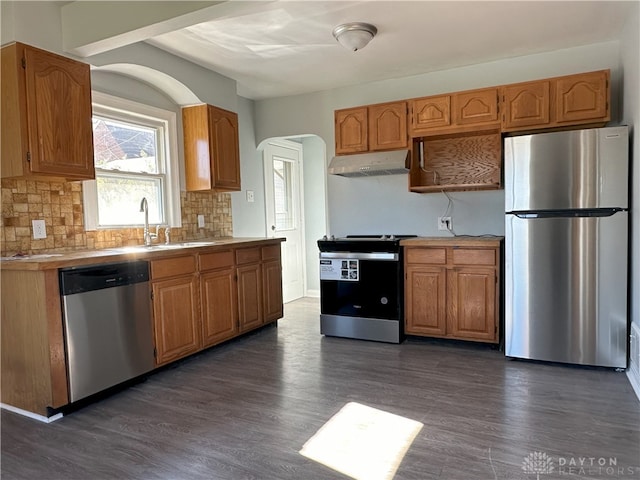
column 160, row 246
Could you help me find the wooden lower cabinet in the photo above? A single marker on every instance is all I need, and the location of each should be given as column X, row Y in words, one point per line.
column 472, row 303
column 204, row 299
column 452, row 291
column 426, row 300
column 250, row 297
column 219, row 306
column 272, row 290
column 176, row 318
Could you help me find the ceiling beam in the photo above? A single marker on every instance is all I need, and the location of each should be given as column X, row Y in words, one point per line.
column 90, row 28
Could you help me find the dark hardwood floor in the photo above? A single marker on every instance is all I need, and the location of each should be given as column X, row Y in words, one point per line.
column 244, row 410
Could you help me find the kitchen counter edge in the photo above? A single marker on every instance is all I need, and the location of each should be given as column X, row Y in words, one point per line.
column 109, row 255
column 461, row 240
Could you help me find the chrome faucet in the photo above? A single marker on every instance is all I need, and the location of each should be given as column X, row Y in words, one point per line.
column 148, row 237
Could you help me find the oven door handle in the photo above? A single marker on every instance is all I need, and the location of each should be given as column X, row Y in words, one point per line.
column 383, row 256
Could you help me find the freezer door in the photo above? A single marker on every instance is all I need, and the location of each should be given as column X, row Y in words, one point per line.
column 567, row 170
column 566, row 289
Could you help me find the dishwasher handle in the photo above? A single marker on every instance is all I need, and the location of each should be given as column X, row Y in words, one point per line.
column 97, row 277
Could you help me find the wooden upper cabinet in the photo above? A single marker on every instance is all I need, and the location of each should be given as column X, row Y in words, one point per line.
column 351, row 130
column 557, row 102
column 46, row 115
column 429, row 113
column 476, row 107
column 388, row 126
column 211, row 148
column 526, row 105
column 583, row 97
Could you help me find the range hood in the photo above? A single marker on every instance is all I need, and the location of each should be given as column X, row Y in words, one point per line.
column 370, row 164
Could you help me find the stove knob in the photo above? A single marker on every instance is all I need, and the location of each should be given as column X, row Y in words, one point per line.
column 383, row 237
column 324, row 237
column 333, row 238
column 392, row 237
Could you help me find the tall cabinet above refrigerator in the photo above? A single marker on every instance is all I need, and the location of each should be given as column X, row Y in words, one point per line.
column 566, row 235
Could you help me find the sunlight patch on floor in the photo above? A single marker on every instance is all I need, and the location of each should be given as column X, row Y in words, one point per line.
column 363, row 442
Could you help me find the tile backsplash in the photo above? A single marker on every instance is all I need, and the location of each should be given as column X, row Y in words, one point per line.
column 59, row 204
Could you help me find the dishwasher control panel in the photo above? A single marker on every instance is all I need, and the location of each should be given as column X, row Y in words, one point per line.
column 96, row 277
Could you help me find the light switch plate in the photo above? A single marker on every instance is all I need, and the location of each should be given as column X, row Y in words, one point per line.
column 250, row 196
column 200, row 221
column 39, row 229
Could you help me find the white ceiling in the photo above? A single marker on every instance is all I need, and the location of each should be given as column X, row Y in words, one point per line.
column 277, row 48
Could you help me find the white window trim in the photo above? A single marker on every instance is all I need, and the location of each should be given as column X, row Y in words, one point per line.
column 122, row 106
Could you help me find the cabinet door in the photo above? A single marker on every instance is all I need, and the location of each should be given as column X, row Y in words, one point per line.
column 351, row 130
column 388, row 126
column 475, row 107
column 425, row 297
column 60, row 133
column 225, row 154
column 250, row 297
column 584, row 97
column 429, row 113
column 219, row 306
column 526, row 105
column 472, row 303
column 175, row 315
column 272, row 290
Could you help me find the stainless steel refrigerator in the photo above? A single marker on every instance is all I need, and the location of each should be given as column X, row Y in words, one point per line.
column 566, row 235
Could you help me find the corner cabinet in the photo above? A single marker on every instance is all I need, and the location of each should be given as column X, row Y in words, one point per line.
column 452, row 289
column 46, row 115
column 272, row 282
column 371, row 128
column 211, row 148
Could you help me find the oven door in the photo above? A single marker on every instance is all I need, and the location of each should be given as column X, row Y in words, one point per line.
column 361, row 285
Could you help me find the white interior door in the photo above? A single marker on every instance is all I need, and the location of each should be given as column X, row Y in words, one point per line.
column 283, row 189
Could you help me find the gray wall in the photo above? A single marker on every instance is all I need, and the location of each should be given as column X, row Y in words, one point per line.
column 383, row 204
column 313, row 165
column 630, row 55
column 249, row 218
column 354, row 205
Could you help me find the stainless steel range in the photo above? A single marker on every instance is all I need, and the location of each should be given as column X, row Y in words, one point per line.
column 361, row 287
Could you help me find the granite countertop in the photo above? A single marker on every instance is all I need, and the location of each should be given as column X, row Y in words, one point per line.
column 461, row 240
column 47, row 261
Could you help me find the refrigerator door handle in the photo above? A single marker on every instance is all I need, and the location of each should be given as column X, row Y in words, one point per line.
column 600, row 212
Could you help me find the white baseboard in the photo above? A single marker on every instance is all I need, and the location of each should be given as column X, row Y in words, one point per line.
column 313, row 293
column 35, row 416
column 633, row 372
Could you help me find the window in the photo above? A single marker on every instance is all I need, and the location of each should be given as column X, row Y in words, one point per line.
column 135, row 156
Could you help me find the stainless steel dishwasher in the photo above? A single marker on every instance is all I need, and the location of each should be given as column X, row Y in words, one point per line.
column 107, row 324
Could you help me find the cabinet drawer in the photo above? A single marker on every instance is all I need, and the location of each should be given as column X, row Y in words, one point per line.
column 173, row 267
column 468, row 256
column 210, row 261
column 271, row 252
column 247, row 255
column 437, row 256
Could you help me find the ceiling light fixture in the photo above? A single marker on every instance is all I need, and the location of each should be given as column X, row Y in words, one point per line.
column 355, row 35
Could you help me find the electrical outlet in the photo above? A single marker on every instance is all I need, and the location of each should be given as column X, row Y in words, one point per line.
column 39, row 229
column 444, row 223
column 200, row 221
column 250, row 196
